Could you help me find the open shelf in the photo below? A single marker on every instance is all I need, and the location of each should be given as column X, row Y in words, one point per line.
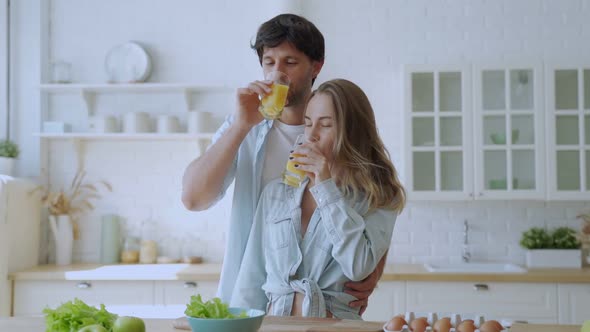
column 131, row 87
column 126, row 136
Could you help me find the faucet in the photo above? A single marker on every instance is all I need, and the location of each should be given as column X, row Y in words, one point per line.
column 465, row 254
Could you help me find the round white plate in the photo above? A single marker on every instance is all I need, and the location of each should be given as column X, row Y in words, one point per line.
column 128, row 63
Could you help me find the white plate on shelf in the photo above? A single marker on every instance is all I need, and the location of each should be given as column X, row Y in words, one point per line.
column 127, row 63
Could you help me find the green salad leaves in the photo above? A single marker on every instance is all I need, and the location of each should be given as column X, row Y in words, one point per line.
column 74, row 315
column 213, row 308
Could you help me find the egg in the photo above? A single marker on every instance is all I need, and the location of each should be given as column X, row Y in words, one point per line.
column 442, row 325
column 396, row 323
column 491, row 326
column 418, row 324
column 466, row 326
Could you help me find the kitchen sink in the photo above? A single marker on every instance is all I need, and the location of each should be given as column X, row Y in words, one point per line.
column 482, row 267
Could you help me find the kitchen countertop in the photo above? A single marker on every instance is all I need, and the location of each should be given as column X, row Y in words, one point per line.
column 270, row 324
column 273, row 324
column 211, row 271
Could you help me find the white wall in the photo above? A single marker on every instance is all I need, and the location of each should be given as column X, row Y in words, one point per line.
column 366, row 41
column 4, row 31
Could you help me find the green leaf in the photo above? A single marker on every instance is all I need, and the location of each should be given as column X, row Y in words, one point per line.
column 213, row 308
column 74, row 315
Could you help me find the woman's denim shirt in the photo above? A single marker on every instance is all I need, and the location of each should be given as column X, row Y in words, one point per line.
column 342, row 242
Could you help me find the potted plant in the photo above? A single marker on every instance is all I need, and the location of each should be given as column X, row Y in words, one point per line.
column 65, row 207
column 558, row 248
column 8, row 153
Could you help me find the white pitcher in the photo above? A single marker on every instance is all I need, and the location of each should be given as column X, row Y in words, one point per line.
column 63, row 234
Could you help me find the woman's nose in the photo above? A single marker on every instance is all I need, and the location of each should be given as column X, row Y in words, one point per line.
column 313, row 135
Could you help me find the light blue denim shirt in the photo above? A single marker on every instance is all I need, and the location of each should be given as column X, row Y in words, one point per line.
column 342, row 242
column 246, row 169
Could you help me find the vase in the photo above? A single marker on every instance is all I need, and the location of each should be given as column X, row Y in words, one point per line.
column 63, row 235
column 7, row 166
column 554, row 258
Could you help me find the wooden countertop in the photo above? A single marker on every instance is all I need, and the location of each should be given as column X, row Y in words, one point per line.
column 211, row 272
column 544, row 328
column 273, row 324
column 270, row 324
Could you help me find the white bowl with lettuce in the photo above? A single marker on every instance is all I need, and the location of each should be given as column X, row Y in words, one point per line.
column 214, row 315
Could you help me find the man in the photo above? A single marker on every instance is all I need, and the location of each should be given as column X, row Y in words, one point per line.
column 253, row 151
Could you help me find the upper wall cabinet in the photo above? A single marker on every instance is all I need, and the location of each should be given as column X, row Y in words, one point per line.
column 568, row 124
column 474, row 134
column 509, row 133
column 438, row 132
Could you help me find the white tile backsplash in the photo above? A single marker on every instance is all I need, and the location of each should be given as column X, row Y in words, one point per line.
column 146, row 175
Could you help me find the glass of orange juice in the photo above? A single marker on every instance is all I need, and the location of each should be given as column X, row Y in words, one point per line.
column 271, row 105
column 292, row 175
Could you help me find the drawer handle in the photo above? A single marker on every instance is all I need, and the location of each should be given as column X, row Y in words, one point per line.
column 84, row 285
column 190, row 284
column 481, row 287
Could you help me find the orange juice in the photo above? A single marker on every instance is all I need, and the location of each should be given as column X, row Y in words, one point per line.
column 291, row 166
column 292, row 175
column 272, row 104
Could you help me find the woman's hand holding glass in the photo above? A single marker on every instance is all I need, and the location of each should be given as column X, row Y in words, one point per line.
column 308, row 158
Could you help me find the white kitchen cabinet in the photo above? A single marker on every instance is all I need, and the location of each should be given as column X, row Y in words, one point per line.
column 509, row 132
column 485, row 142
column 32, row 296
column 568, row 140
column 532, row 302
column 438, row 136
column 574, row 303
column 387, row 300
column 179, row 292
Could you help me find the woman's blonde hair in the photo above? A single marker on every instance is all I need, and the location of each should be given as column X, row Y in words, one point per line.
column 364, row 164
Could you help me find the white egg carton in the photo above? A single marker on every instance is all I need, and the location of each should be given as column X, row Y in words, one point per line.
column 456, row 319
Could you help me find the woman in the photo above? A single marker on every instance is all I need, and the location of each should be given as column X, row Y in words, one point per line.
column 336, row 226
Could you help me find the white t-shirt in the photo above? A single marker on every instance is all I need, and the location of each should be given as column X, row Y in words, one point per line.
column 280, row 140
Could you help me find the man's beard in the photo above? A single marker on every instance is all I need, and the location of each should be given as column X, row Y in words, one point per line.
column 297, row 98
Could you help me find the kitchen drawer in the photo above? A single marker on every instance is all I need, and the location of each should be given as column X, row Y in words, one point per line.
column 518, row 301
column 574, row 303
column 31, row 297
column 180, row 292
column 387, row 299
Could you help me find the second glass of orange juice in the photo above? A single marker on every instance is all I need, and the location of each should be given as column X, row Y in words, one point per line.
column 292, row 175
column 271, row 105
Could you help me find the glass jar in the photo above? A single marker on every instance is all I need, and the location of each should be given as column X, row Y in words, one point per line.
column 130, row 252
column 148, row 250
column 61, row 72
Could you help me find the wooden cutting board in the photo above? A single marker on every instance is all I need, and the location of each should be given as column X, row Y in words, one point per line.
column 305, row 324
column 544, row 328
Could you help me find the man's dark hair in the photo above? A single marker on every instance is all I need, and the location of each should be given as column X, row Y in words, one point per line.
column 292, row 28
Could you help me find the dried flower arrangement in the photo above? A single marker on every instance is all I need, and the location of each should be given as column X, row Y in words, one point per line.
column 75, row 201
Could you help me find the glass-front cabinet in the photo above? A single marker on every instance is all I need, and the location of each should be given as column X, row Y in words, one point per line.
column 568, row 118
column 474, row 141
column 438, row 116
column 509, row 135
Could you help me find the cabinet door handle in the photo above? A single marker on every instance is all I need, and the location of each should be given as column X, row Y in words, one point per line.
column 481, row 287
column 190, row 284
column 84, row 285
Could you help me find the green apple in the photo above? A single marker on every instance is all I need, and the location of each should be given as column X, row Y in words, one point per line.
column 586, row 326
column 93, row 328
column 128, row 324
